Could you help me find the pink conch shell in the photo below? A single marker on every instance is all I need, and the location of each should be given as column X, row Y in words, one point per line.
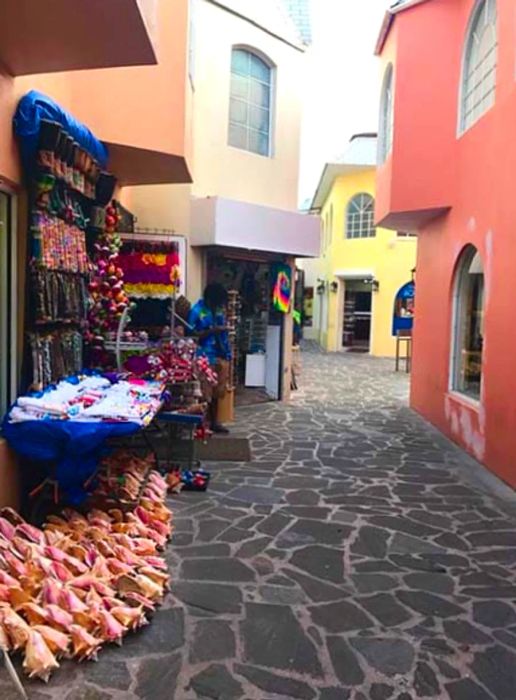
column 111, row 630
column 7, row 580
column 117, row 567
column 35, row 614
column 39, row 660
column 156, row 563
column 132, row 618
column 127, row 556
column 60, row 572
column 6, row 529
column 59, row 617
column 158, row 577
column 16, row 567
column 15, row 626
column 85, row 645
column 140, row 584
column 50, row 592
column 57, row 642
column 31, row 533
column 143, row 546
column 136, row 599
column 70, row 602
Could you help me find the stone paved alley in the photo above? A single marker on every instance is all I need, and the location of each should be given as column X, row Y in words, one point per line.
column 358, row 556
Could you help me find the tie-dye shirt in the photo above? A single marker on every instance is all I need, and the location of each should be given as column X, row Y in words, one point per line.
column 215, row 345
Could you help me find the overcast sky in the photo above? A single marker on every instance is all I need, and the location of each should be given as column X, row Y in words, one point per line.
column 343, row 83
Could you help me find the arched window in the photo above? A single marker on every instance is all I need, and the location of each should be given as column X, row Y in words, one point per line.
column 250, row 103
column 480, row 62
column 386, row 116
column 360, row 217
column 468, row 324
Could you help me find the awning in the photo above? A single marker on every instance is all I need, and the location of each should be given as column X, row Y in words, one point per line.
column 63, row 35
column 140, row 166
column 226, row 222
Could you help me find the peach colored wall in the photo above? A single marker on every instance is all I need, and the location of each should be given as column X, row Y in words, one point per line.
column 141, row 106
column 480, row 190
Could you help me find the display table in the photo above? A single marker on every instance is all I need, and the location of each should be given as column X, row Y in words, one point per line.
column 67, row 427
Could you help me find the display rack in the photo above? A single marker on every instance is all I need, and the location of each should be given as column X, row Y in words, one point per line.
column 233, row 322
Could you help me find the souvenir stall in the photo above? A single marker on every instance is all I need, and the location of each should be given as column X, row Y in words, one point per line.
column 83, row 579
column 260, row 296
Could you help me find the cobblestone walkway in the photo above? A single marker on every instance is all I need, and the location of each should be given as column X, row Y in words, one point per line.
column 357, row 557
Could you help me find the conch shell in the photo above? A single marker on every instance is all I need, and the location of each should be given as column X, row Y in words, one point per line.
column 15, row 626
column 56, row 641
column 132, row 618
column 58, row 617
column 84, row 644
column 35, row 614
column 110, row 629
column 39, row 660
column 70, row 602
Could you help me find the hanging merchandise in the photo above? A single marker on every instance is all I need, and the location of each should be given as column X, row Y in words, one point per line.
column 282, row 289
column 151, row 269
column 68, row 186
column 109, row 299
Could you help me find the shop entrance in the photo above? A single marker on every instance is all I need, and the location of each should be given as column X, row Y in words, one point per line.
column 257, row 338
column 356, row 333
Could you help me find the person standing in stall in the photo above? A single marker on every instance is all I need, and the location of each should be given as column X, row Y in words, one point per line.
column 207, row 319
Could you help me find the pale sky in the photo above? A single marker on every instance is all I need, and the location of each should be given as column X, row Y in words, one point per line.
column 343, row 84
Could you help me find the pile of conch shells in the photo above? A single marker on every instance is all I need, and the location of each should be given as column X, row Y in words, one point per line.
column 81, row 581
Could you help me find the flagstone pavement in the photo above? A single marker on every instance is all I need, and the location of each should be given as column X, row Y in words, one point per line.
column 359, row 556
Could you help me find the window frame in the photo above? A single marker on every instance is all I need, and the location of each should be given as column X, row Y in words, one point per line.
column 463, row 125
column 464, row 262
column 386, row 121
column 371, row 227
column 272, row 101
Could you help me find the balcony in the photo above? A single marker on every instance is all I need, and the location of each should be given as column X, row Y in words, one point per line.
column 63, row 35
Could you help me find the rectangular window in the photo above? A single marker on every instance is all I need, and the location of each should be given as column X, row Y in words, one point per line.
column 7, row 339
column 405, row 234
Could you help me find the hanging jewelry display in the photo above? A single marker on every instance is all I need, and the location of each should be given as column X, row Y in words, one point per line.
column 68, row 195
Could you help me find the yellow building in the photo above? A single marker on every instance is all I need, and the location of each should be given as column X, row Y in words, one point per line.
column 354, row 286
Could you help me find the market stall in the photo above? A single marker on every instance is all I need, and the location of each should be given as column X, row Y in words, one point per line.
column 87, row 578
column 260, row 289
column 67, row 427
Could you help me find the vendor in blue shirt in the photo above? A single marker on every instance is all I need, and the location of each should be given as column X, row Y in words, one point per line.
column 208, row 321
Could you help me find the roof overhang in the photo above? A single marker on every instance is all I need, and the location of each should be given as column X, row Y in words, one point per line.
column 389, row 19
column 60, row 35
column 139, row 166
column 412, row 221
column 232, row 224
column 330, row 173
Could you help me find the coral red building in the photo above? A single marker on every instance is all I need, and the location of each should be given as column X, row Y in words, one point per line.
column 447, row 170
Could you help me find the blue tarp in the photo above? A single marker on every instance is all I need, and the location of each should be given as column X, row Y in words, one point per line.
column 32, row 108
column 74, row 447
